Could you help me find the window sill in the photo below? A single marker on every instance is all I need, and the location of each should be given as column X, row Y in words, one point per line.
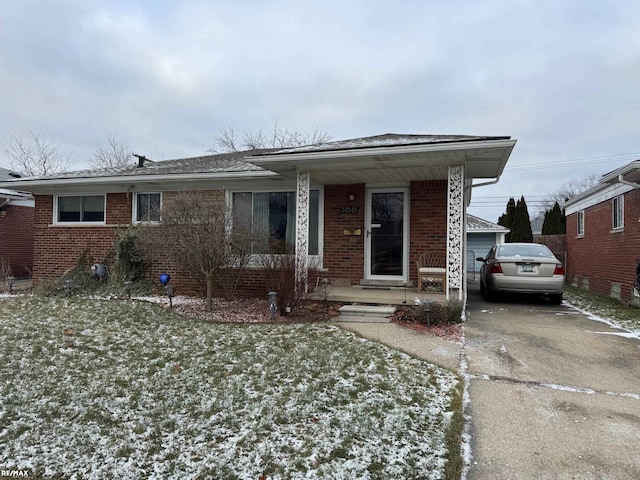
column 617, row 230
column 84, row 225
column 580, row 236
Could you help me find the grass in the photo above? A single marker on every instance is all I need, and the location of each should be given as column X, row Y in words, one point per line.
column 610, row 309
column 106, row 389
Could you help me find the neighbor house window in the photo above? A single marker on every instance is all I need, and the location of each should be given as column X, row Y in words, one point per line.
column 271, row 218
column 146, row 207
column 581, row 223
column 618, row 212
column 80, row 209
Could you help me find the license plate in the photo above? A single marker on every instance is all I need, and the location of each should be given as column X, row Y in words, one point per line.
column 527, row 268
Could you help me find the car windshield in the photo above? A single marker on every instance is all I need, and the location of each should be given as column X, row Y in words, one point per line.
column 524, row 251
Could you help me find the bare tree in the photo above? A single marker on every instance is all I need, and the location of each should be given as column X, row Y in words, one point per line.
column 116, row 153
column 227, row 140
column 569, row 189
column 197, row 228
column 31, row 154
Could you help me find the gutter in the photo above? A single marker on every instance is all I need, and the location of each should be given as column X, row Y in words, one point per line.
column 271, row 158
column 627, row 182
column 149, row 178
column 490, row 182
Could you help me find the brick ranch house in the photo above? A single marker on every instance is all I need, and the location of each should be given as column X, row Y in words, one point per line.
column 363, row 210
column 16, row 229
column 603, row 235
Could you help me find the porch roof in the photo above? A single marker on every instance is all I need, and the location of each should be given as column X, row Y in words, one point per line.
column 392, row 158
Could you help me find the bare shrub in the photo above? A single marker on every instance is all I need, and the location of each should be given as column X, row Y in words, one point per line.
column 280, row 277
column 198, row 231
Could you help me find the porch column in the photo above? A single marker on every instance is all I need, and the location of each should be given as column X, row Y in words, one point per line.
column 302, row 230
column 455, row 222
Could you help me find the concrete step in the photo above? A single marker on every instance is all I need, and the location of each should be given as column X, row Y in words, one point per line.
column 365, row 313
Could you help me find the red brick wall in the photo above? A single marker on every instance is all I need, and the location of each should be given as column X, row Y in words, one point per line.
column 16, row 238
column 344, row 254
column 601, row 256
column 58, row 248
column 428, row 217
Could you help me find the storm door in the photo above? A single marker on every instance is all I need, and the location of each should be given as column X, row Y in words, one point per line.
column 386, row 234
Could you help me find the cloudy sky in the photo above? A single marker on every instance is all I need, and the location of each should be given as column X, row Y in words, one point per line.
column 166, row 76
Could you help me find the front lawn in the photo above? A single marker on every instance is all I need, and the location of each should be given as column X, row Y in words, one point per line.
column 111, row 389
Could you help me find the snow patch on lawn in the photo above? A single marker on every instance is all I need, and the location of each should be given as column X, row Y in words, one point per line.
column 628, row 331
column 102, row 389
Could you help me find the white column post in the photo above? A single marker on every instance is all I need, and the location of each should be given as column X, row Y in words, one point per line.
column 455, row 225
column 302, row 230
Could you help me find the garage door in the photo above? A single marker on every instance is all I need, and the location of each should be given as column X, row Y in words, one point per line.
column 478, row 245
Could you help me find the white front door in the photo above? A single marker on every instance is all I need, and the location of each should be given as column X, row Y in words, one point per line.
column 387, row 227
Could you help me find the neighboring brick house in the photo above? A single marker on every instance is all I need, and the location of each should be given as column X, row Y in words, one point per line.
column 363, row 209
column 603, row 235
column 16, row 229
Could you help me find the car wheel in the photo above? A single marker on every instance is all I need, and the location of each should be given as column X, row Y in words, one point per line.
column 482, row 289
column 489, row 295
column 556, row 299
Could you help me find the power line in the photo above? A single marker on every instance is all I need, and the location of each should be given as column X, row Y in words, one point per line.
column 574, row 162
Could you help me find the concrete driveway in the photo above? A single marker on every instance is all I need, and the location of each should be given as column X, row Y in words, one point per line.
column 554, row 395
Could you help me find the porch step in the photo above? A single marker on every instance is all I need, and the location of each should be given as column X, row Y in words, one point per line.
column 386, row 283
column 365, row 314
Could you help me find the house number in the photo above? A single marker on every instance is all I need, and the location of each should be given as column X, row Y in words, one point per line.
column 344, row 210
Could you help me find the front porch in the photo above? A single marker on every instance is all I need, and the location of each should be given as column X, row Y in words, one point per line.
column 367, row 295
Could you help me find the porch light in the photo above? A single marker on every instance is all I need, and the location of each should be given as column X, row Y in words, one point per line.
column 127, row 288
column 10, row 282
column 169, row 289
column 272, row 305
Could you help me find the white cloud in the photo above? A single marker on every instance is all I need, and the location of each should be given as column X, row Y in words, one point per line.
column 166, row 76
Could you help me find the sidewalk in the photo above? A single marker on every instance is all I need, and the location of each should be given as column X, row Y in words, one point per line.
column 435, row 350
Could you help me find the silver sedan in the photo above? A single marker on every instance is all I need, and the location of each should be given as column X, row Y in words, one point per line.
column 522, row 268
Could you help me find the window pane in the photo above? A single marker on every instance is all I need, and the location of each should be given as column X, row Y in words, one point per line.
column 273, row 219
column 69, row 209
column 93, row 208
column 148, row 207
column 617, row 212
column 241, row 212
column 314, row 248
column 281, row 221
column 261, row 222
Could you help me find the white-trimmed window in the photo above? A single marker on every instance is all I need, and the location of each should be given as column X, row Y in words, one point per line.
column 618, row 212
column 580, row 218
column 80, row 209
column 272, row 217
column 146, row 207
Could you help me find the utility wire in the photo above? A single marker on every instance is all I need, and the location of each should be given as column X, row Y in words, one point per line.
column 574, row 162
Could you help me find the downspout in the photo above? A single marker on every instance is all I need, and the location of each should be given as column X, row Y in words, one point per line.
column 627, row 182
column 484, row 184
column 7, row 200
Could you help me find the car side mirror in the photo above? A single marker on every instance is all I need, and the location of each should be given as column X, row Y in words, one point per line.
column 480, row 259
